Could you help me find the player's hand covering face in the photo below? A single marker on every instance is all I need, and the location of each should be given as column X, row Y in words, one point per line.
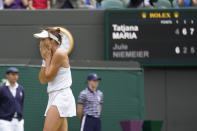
column 45, row 48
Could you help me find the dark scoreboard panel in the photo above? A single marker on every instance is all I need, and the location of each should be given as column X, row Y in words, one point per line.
column 152, row 37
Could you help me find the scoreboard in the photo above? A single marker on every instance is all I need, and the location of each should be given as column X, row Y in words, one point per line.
column 152, row 36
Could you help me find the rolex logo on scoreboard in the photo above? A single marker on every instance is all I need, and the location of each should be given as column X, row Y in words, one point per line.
column 176, row 14
column 144, row 15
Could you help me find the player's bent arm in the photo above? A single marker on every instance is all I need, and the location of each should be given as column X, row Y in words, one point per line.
column 42, row 76
column 80, row 111
column 52, row 66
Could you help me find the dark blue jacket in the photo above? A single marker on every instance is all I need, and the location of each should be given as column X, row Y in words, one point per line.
column 9, row 105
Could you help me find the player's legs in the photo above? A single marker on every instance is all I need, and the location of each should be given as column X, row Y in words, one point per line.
column 52, row 121
column 64, row 125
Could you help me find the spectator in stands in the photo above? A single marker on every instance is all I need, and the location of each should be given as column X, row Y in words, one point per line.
column 62, row 4
column 15, row 4
column 140, row 4
column 90, row 4
column 1, row 4
column 53, row 2
column 186, row 3
column 39, row 4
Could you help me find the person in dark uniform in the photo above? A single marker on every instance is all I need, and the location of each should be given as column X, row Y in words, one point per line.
column 89, row 106
column 62, row 4
column 11, row 103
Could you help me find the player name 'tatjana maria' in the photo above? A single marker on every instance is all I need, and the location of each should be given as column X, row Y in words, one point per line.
column 124, row 31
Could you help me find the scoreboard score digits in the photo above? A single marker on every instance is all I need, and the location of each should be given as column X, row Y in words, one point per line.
column 152, row 37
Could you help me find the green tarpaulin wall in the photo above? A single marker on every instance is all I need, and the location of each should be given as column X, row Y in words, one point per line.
column 123, row 96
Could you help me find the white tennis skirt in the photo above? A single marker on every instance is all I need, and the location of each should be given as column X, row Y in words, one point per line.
column 64, row 101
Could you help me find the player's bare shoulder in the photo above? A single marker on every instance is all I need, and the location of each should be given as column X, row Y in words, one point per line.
column 60, row 53
column 62, row 56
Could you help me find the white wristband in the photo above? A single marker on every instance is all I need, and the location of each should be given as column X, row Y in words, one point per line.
column 43, row 63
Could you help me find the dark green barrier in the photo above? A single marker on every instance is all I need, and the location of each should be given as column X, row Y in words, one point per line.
column 123, row 96
column 152, row 125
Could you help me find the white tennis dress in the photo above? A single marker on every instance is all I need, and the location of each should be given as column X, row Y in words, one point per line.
column 60, row 93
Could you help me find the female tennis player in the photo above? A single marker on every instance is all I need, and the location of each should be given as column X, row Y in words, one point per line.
column 56, row 72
